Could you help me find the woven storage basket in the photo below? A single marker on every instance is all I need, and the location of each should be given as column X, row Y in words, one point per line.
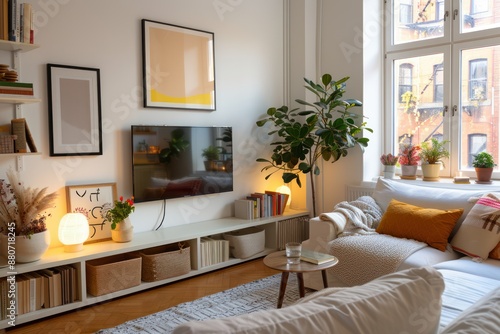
column 113, row 273
column 164, row 262
column 246, row 242
column 7, row 143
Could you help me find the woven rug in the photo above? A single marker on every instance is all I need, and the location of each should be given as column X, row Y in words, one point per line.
column 254, row 296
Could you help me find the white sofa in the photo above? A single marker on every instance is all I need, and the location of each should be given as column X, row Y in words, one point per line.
column 408, row 301
column 323, row 232
column 431, row 291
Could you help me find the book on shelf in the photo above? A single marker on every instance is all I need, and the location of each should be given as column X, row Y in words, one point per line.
column 24, row 140
column 17, row 21
column 243, row 208
column 16, row 88
column 316, row 257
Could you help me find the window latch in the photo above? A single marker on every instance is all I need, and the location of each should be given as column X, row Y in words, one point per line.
column 445, row 110
column 455, row 108
column 446, row 14
column 455, row 14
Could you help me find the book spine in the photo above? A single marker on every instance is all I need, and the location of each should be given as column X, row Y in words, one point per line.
column 16, row 92
column 29, row 138
column 18, row 128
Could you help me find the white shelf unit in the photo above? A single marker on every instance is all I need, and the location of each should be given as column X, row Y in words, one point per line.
column 16, row 48
column 190, row 233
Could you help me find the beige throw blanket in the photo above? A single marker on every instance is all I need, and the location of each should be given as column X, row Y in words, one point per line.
column 364, row 258
column 362, row 216
column 363, row 253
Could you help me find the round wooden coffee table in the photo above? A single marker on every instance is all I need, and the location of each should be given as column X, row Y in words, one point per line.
column 277, row 260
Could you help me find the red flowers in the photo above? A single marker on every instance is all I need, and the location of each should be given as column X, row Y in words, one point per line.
column 409, row 154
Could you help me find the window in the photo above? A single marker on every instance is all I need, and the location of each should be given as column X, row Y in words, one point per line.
column 405, row 80
column 440, row 9
column 478, row 6
column 477, row 79
column 443, row 78
column 477, row 143
column 406, row 11
column 438, row 83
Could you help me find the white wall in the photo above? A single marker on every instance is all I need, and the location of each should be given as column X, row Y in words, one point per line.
column 107, row 35
column 347, row 49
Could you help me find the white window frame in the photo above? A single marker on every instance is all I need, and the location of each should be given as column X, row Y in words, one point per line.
column 451, row 43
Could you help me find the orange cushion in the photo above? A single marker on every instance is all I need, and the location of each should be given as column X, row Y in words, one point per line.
column 431, row 226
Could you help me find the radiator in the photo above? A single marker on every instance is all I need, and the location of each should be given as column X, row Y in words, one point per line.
column 353, row 192
column 292, row 229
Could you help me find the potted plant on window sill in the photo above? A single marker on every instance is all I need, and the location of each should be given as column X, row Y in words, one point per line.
column 409, row 159
column 432, row 152
column 389, row 161
column 483, row 163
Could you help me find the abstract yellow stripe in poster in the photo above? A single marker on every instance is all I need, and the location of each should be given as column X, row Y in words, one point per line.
column 200, row 99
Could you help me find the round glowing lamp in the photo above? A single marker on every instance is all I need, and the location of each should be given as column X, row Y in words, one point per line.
column 73, row 231
column 285, row 190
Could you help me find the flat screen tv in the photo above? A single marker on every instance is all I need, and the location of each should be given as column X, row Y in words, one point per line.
column 180, row 161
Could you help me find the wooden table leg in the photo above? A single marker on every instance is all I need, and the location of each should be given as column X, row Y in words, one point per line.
column 284, row 280
column 325, row 279
column 300, row 278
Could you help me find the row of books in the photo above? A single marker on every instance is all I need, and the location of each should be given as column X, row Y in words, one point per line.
column 213, row 251
column 40, row 289
column 17, row 21
column 24, row 140
column 16, row 88
column 259, row 205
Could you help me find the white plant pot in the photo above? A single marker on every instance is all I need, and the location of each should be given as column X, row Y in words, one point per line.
column 409, row 172
column 124, row 231
column 389, row 171
column 26, row 250
column 430, row 172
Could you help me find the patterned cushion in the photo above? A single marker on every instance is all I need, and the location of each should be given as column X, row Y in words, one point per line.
column 431, row 226
column 480, row 231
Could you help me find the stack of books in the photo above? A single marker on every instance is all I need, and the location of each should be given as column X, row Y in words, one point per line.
column 17, row 21
column 39, row 290
column 260, row 205
column 16, row 88
column 213, row 251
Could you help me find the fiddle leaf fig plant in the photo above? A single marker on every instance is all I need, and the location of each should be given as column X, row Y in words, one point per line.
column 326, row 129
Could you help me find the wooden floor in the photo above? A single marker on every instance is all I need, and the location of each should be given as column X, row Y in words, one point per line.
column 117, row 311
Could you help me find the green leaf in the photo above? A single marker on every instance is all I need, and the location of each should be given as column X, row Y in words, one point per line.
column 354, row 102
column 326, row 79
column 288, row 177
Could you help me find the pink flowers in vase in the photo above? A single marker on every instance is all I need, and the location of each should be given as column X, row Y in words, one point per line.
column 388, row 159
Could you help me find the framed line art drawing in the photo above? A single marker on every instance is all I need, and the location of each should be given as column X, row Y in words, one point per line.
column 178, row 67
column 89, row 200
column 74, row 95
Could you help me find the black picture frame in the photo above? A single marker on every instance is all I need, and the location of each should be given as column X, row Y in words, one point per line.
column 74, row 103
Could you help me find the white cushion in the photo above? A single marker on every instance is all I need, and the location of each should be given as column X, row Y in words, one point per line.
column 375, row 307
column 489, row 268
column 426, row 197
column 482, row 317
column 428, row 256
